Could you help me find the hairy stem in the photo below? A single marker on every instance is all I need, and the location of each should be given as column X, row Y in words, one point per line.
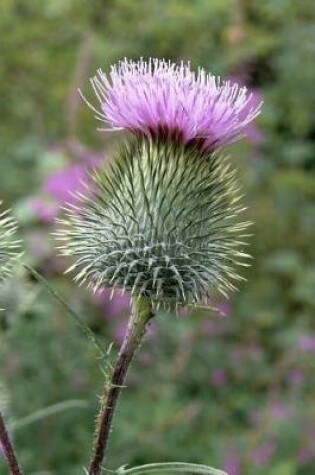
column 8, row 449
column 142, row 312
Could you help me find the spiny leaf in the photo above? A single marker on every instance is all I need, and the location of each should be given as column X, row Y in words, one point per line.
column 168, row 468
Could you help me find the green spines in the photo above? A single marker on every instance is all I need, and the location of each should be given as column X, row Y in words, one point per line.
column 10, row 250
column 160, row 222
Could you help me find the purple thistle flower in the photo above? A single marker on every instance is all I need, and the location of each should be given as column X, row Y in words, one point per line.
column 161, row 99
column 306, row 344
column 63, row 184
column 280, row 412
column 46, row 212
column 62, row 187
column 212, row 328
column 113, row 304
column 305, row 455
column 297, row 377
column 218, row 378
column 232, row 463
column 264, row 453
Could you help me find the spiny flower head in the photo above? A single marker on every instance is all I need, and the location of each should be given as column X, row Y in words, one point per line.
column 9, row 246
column 161, row 222
column 160, row 99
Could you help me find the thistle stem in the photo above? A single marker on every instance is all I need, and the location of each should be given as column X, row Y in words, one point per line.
column 141, row 314
column 8, row 449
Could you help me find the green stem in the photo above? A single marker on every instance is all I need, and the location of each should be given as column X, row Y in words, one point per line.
column 79, row 321
column 8, row 449
column 141, row 314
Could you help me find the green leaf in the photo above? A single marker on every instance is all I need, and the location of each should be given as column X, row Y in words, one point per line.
column 169, row 467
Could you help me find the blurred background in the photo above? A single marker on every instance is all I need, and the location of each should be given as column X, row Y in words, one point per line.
column 234, row 390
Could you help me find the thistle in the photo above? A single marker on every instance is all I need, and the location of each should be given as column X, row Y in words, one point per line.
column 9, row 255
column 162, row 220
column 10, row 251
column 161, row 99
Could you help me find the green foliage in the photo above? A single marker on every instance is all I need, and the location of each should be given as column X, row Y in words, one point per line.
column 168, row 468
column 204, row 389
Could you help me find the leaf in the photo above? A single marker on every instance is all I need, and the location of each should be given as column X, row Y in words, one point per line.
column 168, row 468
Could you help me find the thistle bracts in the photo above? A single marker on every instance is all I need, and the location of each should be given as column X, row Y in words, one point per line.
column 10, row 249
column 161, row 221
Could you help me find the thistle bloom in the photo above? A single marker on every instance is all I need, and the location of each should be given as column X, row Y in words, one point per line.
column 9, row 245
column 162, row 220
column 161, row 99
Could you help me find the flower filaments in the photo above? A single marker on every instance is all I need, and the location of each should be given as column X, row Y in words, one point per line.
column 10, row 250
column 161, row 99
column 160, row 222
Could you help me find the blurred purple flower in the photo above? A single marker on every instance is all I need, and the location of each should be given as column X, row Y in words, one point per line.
column 113, row 306
column 211, row 328
column 297, row 377
column 219, row 378
column 274, row 411
column 45, row 212
column 305, row 455
column 215, row 327
column 306, row 344
column 60, row 188
column 120, row 332
column 252, row 131
column 224, row 308
column 232, row 464
column 263, row 454
column 279, row 411
column 37, row 244
column 160, row 98
column 62, row 184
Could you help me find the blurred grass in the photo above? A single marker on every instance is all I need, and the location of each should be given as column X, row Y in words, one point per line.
column 236, row 393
